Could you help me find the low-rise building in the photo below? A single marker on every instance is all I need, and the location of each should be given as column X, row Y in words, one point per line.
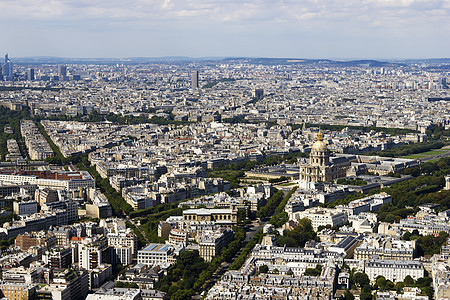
column 25, row 207
column 393, row 270
column 224, row 217
column 39, row 239
column 66, row 285
column 58, row 257
column 17, row 291
column 110, row 292
column 123, row 255
column 385, row 248
column 211, row 244
column 22, row 275
column 322, row 217
column 155, row 254
column 91, row 252
column 177, row 236
column 99, row 275
column 123, row 238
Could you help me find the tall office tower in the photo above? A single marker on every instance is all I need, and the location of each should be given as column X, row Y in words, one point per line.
column 259, row 94
column 442, row 83
column 30, row 74
column 62, row 71
column 8, row 69
column 195, row 80
column 1, row 72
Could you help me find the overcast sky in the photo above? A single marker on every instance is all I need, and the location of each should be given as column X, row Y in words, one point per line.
column 257, row 28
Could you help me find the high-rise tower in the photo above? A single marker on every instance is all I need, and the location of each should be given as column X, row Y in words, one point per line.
column 195, row 80
column 30, row 74
column 62, row 71
column 8, row 72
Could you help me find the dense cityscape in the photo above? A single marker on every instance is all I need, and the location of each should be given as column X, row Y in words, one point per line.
column 224, row 178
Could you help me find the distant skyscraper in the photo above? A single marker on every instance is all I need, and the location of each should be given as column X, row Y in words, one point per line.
column 195, row 80
column 259, row 94
column 443, row 83
column 8, row 72
column 30, row 74
column 62, row 71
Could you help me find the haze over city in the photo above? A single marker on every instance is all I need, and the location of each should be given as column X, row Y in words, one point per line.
column 265, row 28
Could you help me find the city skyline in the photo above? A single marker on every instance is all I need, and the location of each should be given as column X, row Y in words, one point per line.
column 312, row 29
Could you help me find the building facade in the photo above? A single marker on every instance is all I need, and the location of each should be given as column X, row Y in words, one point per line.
column 155, row 254
column 211, row 244
column 394, row 270
column 224, row 217
column 319, row 168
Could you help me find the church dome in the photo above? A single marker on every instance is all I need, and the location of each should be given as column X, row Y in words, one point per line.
column 319, row 145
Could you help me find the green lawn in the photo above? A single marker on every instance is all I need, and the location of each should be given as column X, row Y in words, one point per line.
column 434, row 160
column 436, row 152
column 287, row 184
column 415, row 156
column 425, row 154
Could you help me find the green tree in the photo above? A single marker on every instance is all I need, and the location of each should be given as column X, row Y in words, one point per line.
column 182, row 295
column 311, row 272
column 399, row 287
column 361, row 279
column 263, row 269
column 408, row 281
column 366, row 293
column 348, row 295
column 381, row 282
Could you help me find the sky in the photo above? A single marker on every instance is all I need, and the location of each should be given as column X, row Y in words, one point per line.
column 339, row 29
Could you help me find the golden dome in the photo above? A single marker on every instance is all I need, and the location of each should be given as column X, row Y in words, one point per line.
column 319, row 145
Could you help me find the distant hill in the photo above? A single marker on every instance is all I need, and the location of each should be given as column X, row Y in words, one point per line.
column 304, row 61
column 125, row 60
column 433, row 62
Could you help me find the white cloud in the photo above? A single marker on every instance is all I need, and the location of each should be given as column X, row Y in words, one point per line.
column 230, row 11
column 219, row 24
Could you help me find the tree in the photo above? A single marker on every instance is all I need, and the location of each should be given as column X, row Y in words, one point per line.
column 241, row 215
column 263, row 269
column 407, row 236
column 423, row 282
column 182, row 295
column 348, row 295
column 366, row 293
column 399, row 287
column 389, row 285
column 381, row 282
column 311, row 272
column 408, row 281
column 319, row 267
column 366, row 296
column 361, row 279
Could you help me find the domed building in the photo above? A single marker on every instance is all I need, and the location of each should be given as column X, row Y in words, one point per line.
column 319, row 168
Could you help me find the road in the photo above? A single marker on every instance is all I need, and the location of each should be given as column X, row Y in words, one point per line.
column 250, row 231
column 428, row 158
column 253, row 228
column 138, row 228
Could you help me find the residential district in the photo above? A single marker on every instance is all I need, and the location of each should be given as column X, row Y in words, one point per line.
column 224, row 179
